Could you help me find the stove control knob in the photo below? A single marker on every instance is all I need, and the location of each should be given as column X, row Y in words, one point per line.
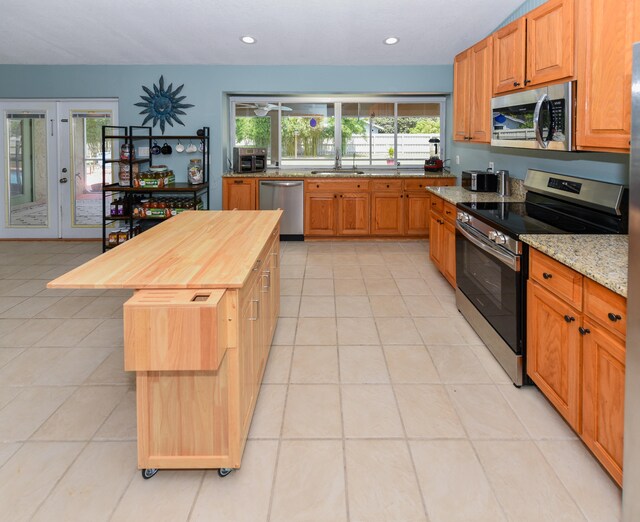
column 463, row 217
column 492, row 235
column 500, row 239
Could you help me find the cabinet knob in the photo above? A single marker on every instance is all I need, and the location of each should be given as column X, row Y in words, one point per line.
column 516, row 84
column 614, row 317
column 358, row 186
column 527, row 81
column 420, row 185
column 584, row 331
column 447, row 212
column 340, row 195
column 317, row 186
column 335, row 195
column 546, row 275
column 568, row 318
column 401, row 196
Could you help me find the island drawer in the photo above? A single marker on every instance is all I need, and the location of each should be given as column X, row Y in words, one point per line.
column 556, row 277
column 605, row 306
column 169, row 330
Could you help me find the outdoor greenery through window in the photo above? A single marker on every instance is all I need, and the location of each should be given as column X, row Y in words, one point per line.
column 375, row 132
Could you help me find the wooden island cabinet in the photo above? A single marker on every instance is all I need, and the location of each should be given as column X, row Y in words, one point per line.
column 442, row 237
column 576, row 354
column 198, row 330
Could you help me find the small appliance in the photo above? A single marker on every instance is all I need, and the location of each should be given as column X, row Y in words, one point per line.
column 249, row 159
column 434, row 163
column 479, row 181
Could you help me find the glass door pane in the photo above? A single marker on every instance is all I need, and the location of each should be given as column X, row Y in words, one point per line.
column 86, row 166
column 27, row 169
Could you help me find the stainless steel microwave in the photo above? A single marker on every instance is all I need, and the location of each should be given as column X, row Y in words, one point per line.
column 536, row 119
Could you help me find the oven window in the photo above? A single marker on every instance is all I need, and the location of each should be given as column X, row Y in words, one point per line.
column 494, row 288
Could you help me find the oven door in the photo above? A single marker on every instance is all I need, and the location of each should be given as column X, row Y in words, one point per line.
column 490, row 277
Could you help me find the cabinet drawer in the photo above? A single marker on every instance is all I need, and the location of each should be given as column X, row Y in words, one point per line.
column 437, row 204
column 605, row 306
column 449, row 212
column 241, row 181
column 383, row 185
column 556, row 277
column 337, row 185
column 175, row 330
column 417, row 184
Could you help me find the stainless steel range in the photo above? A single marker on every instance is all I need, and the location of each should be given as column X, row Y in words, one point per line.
column 492, row 264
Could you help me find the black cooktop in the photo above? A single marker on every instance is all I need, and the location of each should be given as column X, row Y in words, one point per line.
column 544, row 215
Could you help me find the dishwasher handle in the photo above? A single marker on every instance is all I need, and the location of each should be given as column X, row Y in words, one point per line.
column 281, row 183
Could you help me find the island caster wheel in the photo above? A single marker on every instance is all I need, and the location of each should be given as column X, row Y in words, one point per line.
column 148, row 473
column 223, row 472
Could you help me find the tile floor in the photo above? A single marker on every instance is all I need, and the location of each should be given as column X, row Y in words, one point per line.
column 379, row 403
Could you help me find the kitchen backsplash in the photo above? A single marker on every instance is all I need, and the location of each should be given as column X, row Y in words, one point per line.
column 517, row 187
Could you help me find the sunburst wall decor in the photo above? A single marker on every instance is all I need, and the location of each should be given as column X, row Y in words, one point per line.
column 163, row 105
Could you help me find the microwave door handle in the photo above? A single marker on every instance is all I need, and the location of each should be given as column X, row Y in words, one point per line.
column 537, row 129
column 512, row 262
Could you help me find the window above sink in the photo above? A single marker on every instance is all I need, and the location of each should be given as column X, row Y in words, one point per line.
column 371, row 131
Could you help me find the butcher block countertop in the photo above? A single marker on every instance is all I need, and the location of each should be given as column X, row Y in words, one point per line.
column 195, row 249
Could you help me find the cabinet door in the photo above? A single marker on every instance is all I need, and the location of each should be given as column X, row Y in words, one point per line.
column 320, row 214
column 387, row 213
column 266, row 312
column 247, row 388
column 553, row 351
column 435, row 238
column 449, row 252
column 275, row 285
column 509, row 57
column 417, row 214
column 239, row 194
column 606, row 31
column 480, row 96
column 550, row 42
column 353, row 214
column 461, row 77
column 603, row 356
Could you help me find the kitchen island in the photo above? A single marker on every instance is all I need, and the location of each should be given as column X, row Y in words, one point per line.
column 198, row 330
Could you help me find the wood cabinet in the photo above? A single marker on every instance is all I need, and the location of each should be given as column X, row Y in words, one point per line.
column 535, row 49
column 606, row 31
column 472, row 93
column 387, row 213
column 353, row 214
column 239, row 193
column 417, row 207
column 576, row 354
column 320, row 214
column 553, row 350
column 442, row 238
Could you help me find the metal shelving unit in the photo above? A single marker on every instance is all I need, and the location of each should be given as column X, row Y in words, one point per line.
column 119, row 135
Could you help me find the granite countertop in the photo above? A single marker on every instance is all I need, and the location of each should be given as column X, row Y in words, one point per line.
column 368, row 173
column 461, row 195
column 603, row 258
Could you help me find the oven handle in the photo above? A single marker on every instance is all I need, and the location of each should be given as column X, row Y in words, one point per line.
column 512, row 261
column 536, row 122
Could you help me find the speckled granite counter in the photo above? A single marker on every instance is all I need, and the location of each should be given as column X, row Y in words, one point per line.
column 460, row 195
column 603, row 258
column 368, row 173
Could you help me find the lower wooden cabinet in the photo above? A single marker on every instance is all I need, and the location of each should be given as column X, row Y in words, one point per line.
column 387, row 213
column 239, row 193
column 417, row 206
column 576, row 355
column 353, row 214
column 442, row 238
column 320, row 214
column 553, row 350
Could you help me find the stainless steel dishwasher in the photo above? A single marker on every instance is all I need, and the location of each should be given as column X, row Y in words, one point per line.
column 289, row 196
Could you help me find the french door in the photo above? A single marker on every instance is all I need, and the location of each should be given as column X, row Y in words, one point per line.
column 51, row 166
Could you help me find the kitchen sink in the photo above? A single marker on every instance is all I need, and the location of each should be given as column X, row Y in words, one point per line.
column 337, row 171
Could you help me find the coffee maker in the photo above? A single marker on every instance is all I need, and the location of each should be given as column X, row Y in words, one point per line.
column 434, row 163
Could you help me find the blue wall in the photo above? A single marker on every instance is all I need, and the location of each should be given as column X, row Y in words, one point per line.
column 207, row 87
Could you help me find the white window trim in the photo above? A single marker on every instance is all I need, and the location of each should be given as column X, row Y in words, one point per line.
column 338, row 101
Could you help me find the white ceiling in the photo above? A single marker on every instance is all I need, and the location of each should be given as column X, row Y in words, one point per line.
column 289, row 32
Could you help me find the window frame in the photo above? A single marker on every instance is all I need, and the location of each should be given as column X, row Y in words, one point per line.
column 337, row 101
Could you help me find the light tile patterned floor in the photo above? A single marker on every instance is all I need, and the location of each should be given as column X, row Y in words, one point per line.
column 379, row 403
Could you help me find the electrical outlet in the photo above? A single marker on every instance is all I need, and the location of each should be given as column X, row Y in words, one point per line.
column 143, row 152
column 457, row 160
column 491, row 166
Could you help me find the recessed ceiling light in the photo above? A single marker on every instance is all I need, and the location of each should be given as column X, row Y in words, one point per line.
column 248, row 39
column 392, row 40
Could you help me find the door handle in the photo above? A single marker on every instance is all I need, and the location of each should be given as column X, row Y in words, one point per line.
column 63, row 180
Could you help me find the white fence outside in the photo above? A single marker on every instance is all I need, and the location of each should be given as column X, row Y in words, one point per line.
column 410, row 146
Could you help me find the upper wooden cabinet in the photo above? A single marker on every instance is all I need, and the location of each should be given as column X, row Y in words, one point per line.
column 535, row 49
column 472, row 93
column 606, row 31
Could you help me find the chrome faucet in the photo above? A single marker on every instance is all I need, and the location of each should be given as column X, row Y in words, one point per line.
column 338, row 162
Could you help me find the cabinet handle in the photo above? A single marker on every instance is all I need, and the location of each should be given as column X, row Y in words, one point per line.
column 584, row 331
column 257, row 265
column 546, row 275
column 516, row 84
column 527, row 81
column 447, row 212
column 568, row 318
column 266, row 274
column 614, row 317
column 238, row 182
column 275, row 254
column 257, row 302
